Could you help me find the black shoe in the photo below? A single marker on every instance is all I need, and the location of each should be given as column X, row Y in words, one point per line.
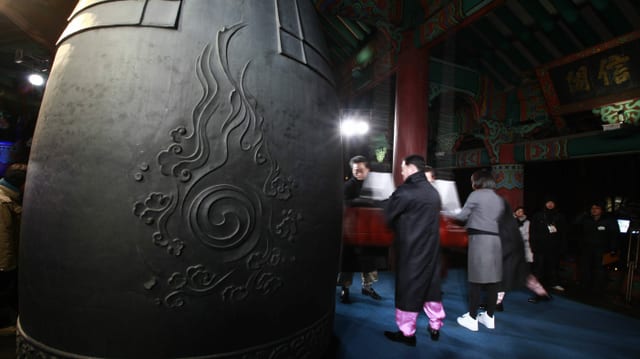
column 434, row 333
column 499, row 307
column 344, row 296
column 372, row 293
column 401, row 338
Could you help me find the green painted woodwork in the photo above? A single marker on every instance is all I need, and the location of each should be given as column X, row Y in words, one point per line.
column 613, row 17
column 364, row 27
column 519, row 32
column 489, row 32
column 598, row 144
column 412, row 14
column 602, row 143
column 512, row 114
column 342, row 31
column 630, row 111
column 585, row 33
column 569, row 13
column 540, row 15
column 353, row 27
column 464, row 79
column 610, row 142
column 600, row 5
column 566, row 9
column 471, row 6
column 548, row 25
column 365, row 55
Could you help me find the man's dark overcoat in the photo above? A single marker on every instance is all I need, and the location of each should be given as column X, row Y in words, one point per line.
column 412, row 212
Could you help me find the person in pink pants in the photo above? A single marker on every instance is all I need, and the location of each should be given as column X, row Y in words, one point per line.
column 413, row 213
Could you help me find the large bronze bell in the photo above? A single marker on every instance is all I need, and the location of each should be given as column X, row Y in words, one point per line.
column 184, row 189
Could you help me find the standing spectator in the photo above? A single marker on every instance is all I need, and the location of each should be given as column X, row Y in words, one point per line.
column 413, row 213
column 362, row 255
column 599, row 234
column 523, row 225
column 548, row 242
column 11, row 189
column 481, row 213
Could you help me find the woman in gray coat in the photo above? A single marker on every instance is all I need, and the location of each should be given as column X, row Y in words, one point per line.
column 481, row 213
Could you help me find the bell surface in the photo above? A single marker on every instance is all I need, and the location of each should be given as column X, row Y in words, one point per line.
column 184, row 193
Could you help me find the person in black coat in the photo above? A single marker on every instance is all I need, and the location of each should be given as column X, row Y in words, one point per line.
column 548, row 242
column 516, row 272
column 413, row 213
column 360, row 258
column 599, row 234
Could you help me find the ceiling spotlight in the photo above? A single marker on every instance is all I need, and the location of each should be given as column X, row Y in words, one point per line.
column 354, row 127
column 36, row 80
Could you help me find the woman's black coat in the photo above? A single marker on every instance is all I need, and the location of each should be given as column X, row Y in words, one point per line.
column 514, row 266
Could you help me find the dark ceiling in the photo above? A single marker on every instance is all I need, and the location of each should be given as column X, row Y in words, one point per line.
column 507, row 43
column 28, row 31
column 513, row 39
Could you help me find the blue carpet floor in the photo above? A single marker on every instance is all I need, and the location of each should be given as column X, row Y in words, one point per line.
column 561, row 328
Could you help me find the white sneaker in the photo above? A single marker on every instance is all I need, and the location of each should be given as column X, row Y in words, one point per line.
column 559, row 288
column 466, row 321
column 486, row 320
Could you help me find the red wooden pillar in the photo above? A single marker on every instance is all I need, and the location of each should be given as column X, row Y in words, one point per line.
column 509, row 177
column 410, row 133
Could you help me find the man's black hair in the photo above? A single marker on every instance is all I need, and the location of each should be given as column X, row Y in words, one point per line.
column 359, row 159
column 417, row 161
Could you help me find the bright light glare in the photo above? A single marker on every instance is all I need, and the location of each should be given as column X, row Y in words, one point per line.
column 350, row 127
column 36, row 80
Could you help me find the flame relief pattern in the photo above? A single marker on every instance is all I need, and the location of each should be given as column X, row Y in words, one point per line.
column 234, row 221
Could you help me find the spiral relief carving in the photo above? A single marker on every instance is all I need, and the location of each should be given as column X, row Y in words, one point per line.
column 223, row 216
column 234, row 221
